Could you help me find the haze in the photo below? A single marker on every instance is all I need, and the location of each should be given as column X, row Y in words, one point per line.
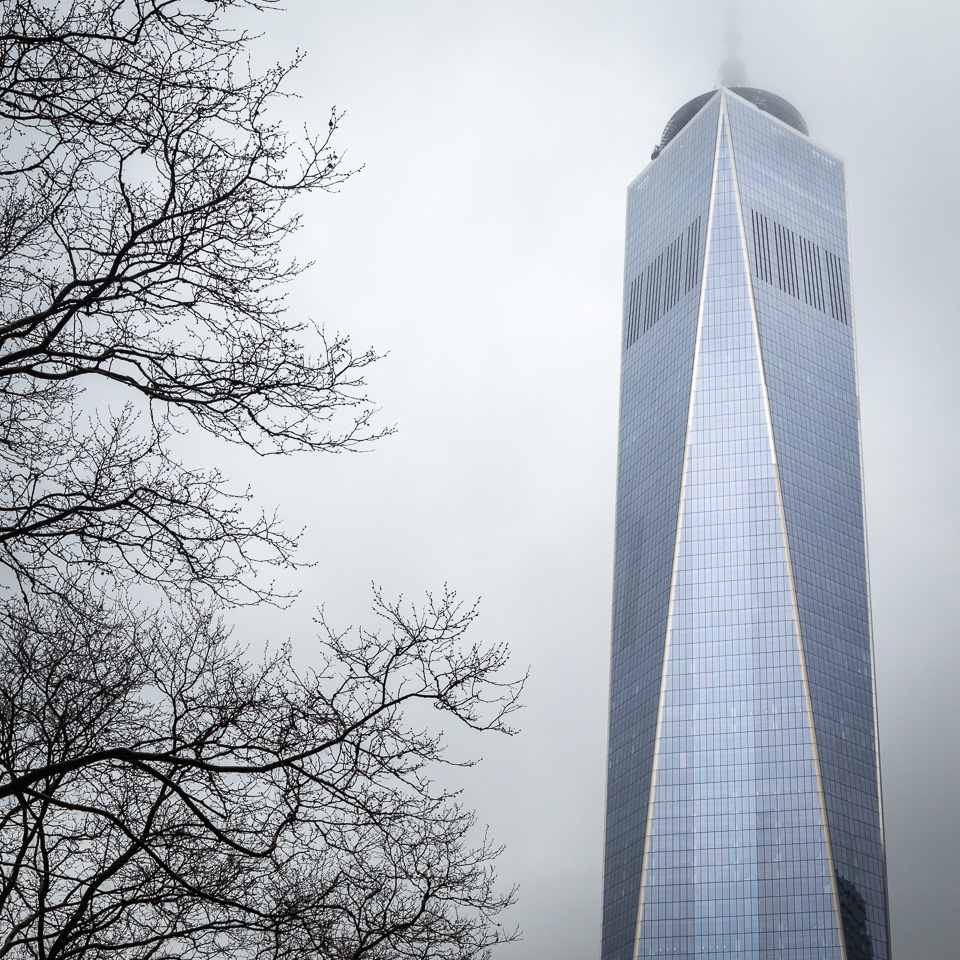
column 481, row 247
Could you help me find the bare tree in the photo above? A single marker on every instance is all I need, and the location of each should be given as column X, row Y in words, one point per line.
column 165, row 798
column 143, row 207
column 160, row 795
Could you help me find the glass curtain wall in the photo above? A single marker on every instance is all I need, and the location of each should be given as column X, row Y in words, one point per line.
column 742, row 806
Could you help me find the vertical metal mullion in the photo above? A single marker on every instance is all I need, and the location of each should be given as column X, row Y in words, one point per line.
column 768, row 265
column 841, row 291
column 821, row 304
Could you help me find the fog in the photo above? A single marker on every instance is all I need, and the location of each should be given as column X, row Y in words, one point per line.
column 480, row 248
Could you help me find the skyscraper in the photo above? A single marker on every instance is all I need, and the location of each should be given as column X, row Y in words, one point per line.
column 743, row 793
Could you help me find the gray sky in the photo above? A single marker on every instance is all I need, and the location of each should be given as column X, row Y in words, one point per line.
column 482, row 247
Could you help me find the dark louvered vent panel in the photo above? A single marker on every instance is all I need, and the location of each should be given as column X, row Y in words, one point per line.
column 798, row 267
column 838, row 302
column 694, row 263
column 812, row 266
column 664, row 282
column 633, row 311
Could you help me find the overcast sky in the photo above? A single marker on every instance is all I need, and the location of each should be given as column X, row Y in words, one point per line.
column 482, row 247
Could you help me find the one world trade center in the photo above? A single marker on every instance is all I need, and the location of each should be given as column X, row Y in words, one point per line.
column 743, row 795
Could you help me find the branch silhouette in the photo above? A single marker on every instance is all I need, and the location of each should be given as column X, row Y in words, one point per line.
column 163, row 795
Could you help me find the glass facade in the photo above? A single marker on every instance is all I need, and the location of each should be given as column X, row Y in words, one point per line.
column 743, row 807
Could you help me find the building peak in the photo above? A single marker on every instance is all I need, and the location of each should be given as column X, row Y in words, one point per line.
column 762, row 99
